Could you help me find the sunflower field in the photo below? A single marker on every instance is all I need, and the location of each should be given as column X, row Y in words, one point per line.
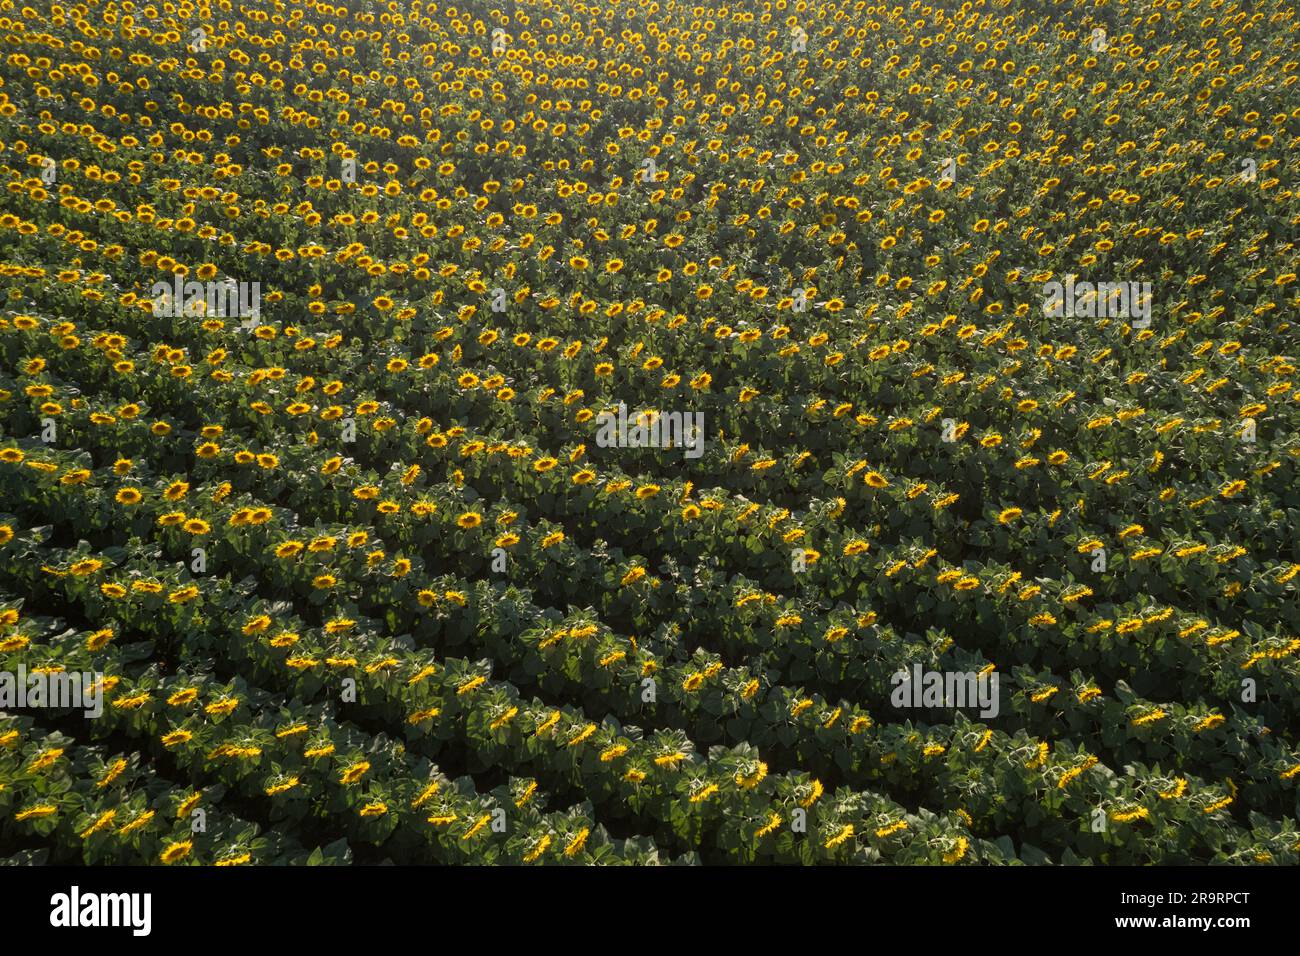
column 335, row 342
